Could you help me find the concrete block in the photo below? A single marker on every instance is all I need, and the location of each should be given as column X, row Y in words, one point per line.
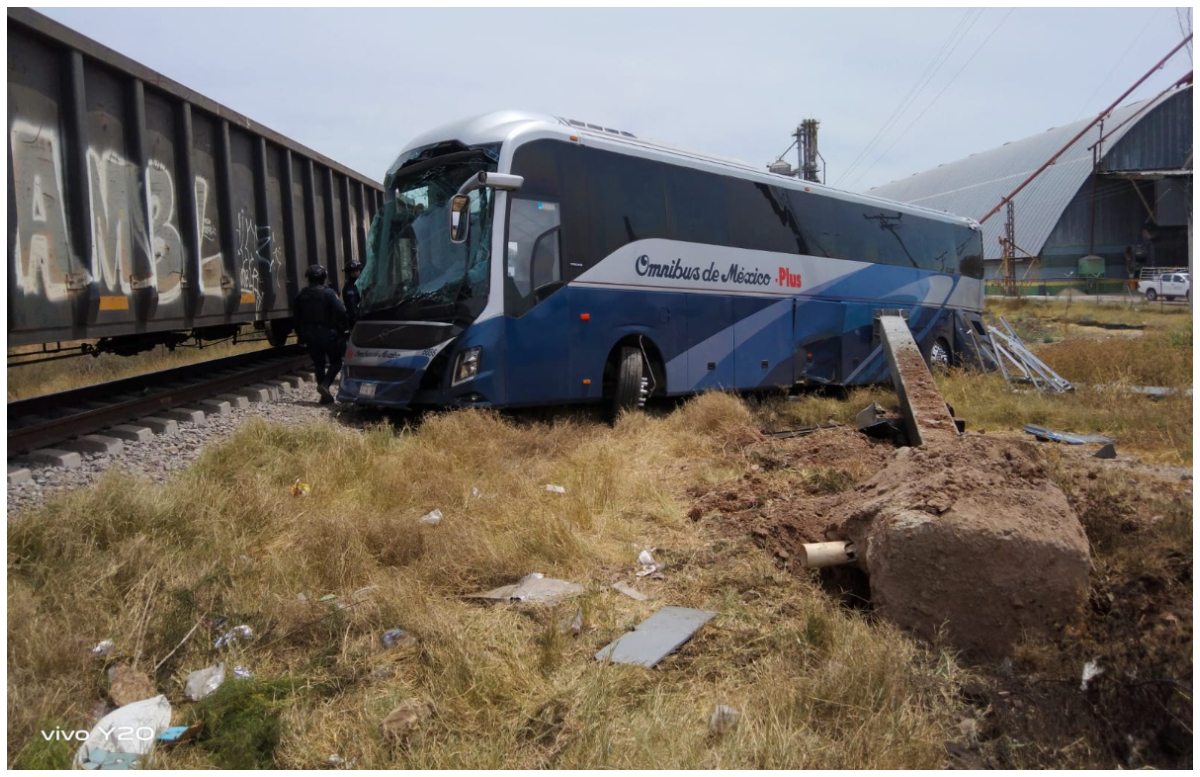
column 272, row 391
column 94, row 443
column 255, row 393
column 295, row 381
column 214, row 406
column 160, row 425
column 280, row 384
column 186, row 415
column 236, row 401
column 130, row 432
column 57, row 458
column 18, row 475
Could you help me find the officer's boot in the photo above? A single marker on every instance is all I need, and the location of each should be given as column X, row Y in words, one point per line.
column 323, row 390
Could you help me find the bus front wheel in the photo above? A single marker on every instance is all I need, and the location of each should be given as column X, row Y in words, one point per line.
column 628, row 388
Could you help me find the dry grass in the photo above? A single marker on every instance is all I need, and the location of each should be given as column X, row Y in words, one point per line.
column 818, row 686
column 49, row 377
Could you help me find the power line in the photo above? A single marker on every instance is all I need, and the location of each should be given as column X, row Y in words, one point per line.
column 939, row 94
column 1104, row 81
column 956, row 36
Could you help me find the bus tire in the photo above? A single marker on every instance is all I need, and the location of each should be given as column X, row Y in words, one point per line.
column 627, row 390
column 940, row 355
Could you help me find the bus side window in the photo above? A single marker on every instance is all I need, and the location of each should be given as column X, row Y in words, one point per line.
column 532, row 258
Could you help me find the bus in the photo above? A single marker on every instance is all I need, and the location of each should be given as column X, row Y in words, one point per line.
column 523, row 259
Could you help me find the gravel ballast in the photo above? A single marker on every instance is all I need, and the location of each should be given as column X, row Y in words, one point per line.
column 163, row 454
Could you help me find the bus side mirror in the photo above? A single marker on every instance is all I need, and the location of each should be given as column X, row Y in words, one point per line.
column 460, row 219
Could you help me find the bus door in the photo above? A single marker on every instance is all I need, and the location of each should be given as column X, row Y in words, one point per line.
column 536, row 323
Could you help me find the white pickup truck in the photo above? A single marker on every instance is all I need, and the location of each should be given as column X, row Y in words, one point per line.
column 1168, row 285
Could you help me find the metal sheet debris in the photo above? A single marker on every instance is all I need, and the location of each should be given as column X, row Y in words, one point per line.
column 656, row 637
column 116, row 742
column 535, row 588
column 629, row 591
column 1065, row 437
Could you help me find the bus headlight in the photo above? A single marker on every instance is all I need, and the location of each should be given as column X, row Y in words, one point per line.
column 467, row 365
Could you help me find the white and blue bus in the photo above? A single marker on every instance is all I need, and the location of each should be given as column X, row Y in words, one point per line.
column 523, row 259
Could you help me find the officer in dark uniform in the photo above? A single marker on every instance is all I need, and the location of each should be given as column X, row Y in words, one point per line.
column 320, row 319
column 350, row 294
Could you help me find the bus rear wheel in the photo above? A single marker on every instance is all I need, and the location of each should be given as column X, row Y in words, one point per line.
column 629, row 386
column 940, row 356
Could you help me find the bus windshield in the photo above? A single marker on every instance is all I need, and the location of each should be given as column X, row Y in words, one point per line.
column 411, row 264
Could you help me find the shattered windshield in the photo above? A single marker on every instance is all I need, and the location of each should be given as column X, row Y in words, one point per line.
column 411, row 263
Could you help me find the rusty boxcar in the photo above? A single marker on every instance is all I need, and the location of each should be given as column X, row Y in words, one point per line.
column 140, row 212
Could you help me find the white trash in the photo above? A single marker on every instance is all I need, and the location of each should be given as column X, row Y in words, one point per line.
column 432, row 518
column 556, row 489
column 723, row 719
column 241, row 633
column 202, row 682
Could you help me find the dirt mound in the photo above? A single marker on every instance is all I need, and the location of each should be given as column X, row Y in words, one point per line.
column 972, row 536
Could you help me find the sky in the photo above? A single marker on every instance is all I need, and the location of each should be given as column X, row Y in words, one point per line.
column 356, row 85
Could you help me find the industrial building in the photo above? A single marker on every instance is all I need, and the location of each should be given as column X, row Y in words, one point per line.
column 1117, row 201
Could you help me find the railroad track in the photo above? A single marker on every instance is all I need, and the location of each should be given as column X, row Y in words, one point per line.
column 45, row 421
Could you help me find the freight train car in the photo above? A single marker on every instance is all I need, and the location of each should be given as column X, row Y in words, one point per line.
column 141, row 213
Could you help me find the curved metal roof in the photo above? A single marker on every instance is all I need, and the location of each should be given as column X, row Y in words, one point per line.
column 971, row 187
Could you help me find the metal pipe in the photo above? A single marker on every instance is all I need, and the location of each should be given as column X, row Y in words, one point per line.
column 1081, row 132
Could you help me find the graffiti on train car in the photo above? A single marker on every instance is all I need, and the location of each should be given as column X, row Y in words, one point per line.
column 258, row 256
column 44, row 265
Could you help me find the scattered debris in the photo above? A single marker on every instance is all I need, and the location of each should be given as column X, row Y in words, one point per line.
column 242, row 673
column 403, row 719
column 130, row 685
column 874, row 421
column 1090, row 671
column 300, row 489
column 237, row 634
column 535, row 588
column 1051, row 435
column 177, row 735
column 556, row 489
column 396, row 638
column 202, row 682
column 573, row 625
column 723, row 719
column 475, row 492
column 103, row 649
column 116, row 742
column 650, row 567
column 656, row 637
column 787, row 434
column 300, row 597
column 629, row 591
column 1107, row 452
column 1029, row 368
column 433, row 518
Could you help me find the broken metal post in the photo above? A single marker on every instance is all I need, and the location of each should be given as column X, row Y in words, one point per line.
column 926, row 417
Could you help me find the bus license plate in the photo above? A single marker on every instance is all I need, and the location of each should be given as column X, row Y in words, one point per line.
column 367, row 390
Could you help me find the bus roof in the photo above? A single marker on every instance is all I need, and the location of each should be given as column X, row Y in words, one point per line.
column 501, row 126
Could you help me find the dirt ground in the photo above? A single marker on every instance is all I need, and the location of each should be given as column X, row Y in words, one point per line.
column 1032, row 708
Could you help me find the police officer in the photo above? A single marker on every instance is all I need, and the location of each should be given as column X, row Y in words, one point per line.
column 350, row 294
column 320, row 320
